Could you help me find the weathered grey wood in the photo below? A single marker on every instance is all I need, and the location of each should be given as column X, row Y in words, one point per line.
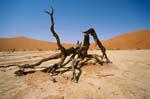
column 80, row 51
column 97, row 41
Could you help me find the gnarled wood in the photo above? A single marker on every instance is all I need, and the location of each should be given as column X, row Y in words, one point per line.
column 97, row 41
column 53, row 30
column 81, row 51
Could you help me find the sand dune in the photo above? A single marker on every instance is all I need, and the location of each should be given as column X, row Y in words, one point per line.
column 24, row 43
column 133, row 40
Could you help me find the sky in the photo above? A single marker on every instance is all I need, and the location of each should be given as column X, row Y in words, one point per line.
column 109, row 18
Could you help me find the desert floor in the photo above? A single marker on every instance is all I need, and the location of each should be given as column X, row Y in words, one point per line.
column 128, row 77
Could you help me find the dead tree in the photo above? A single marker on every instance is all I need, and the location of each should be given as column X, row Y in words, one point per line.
column 97, row 41
column 77, row 55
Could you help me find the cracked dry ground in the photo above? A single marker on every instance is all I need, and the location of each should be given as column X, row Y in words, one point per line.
column 128, row 77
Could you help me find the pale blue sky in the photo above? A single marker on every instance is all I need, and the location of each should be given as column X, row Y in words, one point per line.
column 109, row 18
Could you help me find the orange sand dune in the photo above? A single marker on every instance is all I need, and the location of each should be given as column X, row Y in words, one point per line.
column 133, row 40
column 24, row 43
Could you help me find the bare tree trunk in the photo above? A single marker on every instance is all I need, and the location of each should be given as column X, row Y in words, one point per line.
column 97, row 41
column 63, row 50
column 53, row 31
column 85, row 47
